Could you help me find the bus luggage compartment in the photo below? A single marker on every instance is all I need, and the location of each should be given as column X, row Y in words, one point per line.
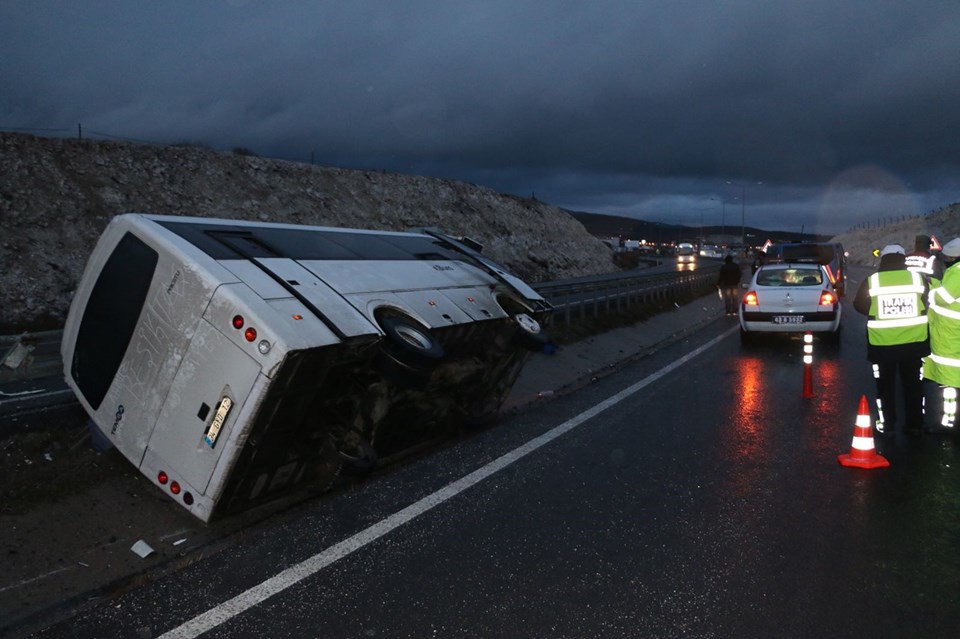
column 235, row 362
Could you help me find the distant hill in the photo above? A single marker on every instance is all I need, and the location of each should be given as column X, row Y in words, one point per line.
column 636, row 229
column 943, row 223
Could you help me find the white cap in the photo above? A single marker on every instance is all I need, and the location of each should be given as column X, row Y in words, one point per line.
column 951, row 248
column 892, row 248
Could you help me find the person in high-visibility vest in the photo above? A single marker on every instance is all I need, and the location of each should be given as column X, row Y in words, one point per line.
column 920, row 260
column 942, row 365
column 897, row 338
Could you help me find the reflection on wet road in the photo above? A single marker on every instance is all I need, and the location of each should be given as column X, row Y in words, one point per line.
column 704, row 500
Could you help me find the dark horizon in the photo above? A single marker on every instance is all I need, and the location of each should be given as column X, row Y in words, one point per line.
column 819, row 114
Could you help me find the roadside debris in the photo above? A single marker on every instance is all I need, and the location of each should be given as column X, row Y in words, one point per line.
column 142, row 549
column 17, row 355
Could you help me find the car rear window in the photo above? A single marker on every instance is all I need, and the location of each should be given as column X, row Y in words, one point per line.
column 790, row 277
column 818, row 253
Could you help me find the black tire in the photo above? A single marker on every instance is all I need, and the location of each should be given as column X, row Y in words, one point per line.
column 360, row 458
column 408, row 353
column 747, row 339
column 405, row 375
column 410, row 344
column 530, row 335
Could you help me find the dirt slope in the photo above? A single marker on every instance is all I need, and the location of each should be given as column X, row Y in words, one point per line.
column 57, row 195
column 860, row 243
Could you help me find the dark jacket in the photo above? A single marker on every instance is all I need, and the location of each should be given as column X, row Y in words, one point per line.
column 729, row 274
column 881, row 354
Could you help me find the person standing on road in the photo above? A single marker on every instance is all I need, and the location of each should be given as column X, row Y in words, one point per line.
column 942, row 365
column 729, row 284
column 892, row 298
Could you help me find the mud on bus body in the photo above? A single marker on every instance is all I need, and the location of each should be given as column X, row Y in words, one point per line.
column 233, row 362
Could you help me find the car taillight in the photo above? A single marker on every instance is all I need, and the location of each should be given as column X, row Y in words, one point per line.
column 827, row 298
column 750, row 299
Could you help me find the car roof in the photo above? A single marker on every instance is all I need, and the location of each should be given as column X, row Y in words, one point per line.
column 793, row 264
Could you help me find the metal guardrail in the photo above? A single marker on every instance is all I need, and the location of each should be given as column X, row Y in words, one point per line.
column 37, row 355
column 577, row 299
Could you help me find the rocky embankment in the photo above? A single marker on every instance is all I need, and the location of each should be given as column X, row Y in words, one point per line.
column 860, row 243
column 57, row 195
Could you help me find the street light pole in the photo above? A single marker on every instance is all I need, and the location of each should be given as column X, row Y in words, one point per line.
column 723, row 218
column 743, row 215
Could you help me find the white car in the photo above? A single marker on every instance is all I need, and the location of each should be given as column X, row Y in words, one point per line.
column 790, row 298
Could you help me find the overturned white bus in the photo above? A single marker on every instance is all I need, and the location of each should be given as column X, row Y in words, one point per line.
column 233, row 362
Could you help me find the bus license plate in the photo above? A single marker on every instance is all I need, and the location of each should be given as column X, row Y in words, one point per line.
column 788, row 319
column 221, row 415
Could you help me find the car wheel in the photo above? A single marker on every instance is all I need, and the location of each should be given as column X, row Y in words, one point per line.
column 747, row 339
column 530, row 334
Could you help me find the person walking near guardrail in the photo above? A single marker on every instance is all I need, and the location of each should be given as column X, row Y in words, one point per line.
column 729, row 284
column 893, row 301
column 942, row 365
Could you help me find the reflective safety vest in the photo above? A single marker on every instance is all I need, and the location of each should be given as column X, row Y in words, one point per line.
column 897, row 312
column 922, row 264
column 942, row 365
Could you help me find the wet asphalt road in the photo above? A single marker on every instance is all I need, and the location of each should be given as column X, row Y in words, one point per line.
column 708, row 502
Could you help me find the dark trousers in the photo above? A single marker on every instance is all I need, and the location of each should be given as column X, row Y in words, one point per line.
column 908, row 370
column 731, row 298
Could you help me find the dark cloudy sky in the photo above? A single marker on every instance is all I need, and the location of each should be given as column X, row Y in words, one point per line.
column 820, row 113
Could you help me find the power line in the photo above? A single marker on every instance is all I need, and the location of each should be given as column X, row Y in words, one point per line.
column 32, row 129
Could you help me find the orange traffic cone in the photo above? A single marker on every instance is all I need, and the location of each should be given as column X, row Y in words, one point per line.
column 862, row 453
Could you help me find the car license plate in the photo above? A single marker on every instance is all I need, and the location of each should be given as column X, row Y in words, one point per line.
column 788, row 319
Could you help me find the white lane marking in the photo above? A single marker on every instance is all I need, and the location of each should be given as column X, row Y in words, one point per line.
column 37, row 578
column 298, row 572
